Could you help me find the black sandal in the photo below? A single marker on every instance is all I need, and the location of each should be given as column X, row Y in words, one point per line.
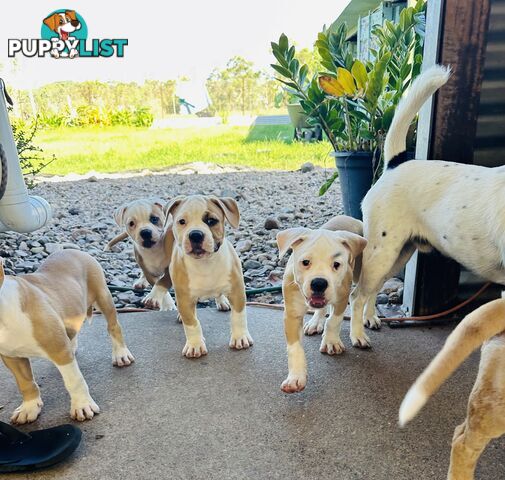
column 22, row 452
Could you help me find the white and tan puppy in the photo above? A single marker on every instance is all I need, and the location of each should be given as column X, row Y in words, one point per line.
column 319, row 274
column 486, row 407
column 41, row 315
column 455, row 208
column 145, row 223
column 204, row 264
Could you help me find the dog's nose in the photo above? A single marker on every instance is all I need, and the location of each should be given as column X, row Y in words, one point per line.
column 319, row 285
column 74, row 23
column 146, row 234
column 196, row 236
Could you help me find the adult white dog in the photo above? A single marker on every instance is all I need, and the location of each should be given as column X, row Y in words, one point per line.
column 455, row 208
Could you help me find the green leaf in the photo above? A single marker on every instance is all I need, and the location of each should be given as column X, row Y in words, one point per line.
column 291, row 53
column 279, row 57
column 326, row 185
column 387, row 118
column 366, row 134
column 405, row 71
column 283, row 43
column 359, row 115
column 304, row 70
column 359, row 73
column 280, row 69
column 376, row 80
column 294, row 65
column 289, row 84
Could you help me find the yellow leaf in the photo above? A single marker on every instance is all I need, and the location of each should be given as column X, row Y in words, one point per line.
column 358, row 71
column 345, row 79
column 331, row 86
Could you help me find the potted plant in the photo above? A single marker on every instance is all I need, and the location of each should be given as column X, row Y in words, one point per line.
column 354, row 101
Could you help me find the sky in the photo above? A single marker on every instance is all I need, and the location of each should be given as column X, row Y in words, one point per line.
column 166, row 39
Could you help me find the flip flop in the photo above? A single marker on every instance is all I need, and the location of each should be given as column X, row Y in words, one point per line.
column 23, row 452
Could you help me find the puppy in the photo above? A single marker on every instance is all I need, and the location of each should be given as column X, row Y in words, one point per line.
column 204, row 264
column 455, row 208
column 486, row 407
column 318, row 274
column 144, row 222
column 41, row 315
column 348, row 224
column 63, row 24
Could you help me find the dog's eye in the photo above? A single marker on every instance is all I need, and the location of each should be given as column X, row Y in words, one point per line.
column 305, row 263
column 154, row 220
column 61, row 21
column 336, row 265
column 132, row 224
column 211, row 221
column 182, row 221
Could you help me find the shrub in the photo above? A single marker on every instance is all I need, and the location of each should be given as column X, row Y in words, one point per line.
column 31, row 157
column 90, row 115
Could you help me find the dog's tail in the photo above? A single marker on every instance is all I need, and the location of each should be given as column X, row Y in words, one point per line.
column 477, row 327
column 421, row 89
column 118, row 238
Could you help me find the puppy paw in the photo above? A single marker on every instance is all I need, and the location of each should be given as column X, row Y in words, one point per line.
column 84, row 409
column 373, row 323
column 294, row 383
column 331, row 346
column 159, row 299
column 141, row 283
column 361, row 341
column 73, row 53
column 195, row 349
column 167, row 303
column 222, row 304
column 241, row 341
column 313, row 327
column 122, row 357
column 27, row 412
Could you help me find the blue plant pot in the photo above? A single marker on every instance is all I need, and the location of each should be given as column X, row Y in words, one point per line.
column 355, row 171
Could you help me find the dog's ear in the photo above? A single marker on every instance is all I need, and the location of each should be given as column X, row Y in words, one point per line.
column 290, row 238
column 119, row 215
column 171, row 206
column 52, row 21
column 230, row 209
column 71, row 14
column 354, row 243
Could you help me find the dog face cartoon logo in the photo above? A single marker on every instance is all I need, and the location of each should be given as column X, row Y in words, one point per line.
column 65, row 24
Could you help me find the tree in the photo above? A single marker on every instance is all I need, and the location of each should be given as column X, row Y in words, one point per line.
column 237, row 85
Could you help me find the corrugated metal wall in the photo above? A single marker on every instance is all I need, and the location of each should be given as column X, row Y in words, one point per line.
column 490, row 140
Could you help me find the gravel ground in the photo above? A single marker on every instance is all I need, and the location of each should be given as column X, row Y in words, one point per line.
column 268, row 201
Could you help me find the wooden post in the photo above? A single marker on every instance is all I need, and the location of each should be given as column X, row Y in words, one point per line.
column 456, row 33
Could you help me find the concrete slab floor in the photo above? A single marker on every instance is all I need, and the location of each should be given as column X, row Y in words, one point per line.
column 224, row 416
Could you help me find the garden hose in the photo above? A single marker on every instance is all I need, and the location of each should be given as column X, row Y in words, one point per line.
column 248, row 291
column 277, row 306
column 420, row 318
column 113, row 288
column 3, row 176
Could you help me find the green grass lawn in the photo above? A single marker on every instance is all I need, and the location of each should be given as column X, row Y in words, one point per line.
column 115, row 149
